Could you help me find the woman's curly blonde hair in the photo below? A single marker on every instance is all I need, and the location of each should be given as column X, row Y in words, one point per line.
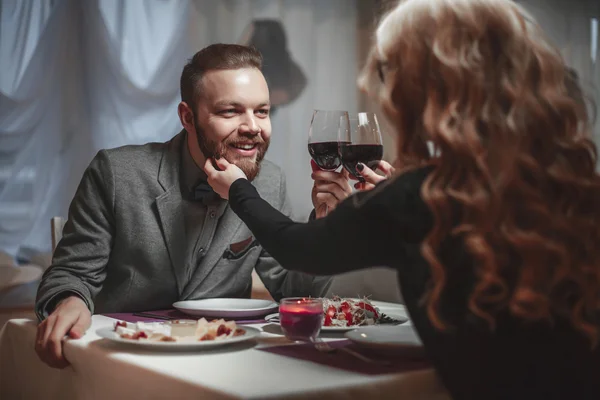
column 514, row 164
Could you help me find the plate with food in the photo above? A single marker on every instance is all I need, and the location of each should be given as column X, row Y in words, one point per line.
column 341, row 314
column 227, row 308
column 182, row 334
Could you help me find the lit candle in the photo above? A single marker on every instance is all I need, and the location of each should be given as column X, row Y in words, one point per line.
column 301, row 318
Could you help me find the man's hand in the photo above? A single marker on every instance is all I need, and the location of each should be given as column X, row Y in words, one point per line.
column 371, row 178
column 221, row 180
column 71, row 317
column 329, row 189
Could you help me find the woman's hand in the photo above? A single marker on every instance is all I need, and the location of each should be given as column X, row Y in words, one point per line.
column 371, row 178
column 221, row 180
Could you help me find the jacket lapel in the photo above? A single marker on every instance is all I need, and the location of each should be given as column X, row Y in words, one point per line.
column 169, row 206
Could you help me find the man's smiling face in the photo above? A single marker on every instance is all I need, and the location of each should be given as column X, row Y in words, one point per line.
column 231, row 118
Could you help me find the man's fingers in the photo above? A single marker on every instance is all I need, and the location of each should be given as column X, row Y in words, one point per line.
column 314, row 166
column 82, row 325
column 56, row 358
column 324, row 177
column 71, row 317
column 328, row 176
column 40, row 344
column 50, row 321
column 54, row 345
column 331, row 188
column 322, row 210
column 41, row 329
column 46, row 348
column 327, row 198
column 39, row 340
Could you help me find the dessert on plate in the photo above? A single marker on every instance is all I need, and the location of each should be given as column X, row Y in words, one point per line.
column 179, row 330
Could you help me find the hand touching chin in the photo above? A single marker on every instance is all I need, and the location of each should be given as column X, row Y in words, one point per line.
column 222, row 180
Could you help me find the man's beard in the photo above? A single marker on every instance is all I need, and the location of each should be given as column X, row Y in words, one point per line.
column 212, row 149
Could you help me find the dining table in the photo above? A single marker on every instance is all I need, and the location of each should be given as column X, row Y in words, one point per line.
column 267, row 367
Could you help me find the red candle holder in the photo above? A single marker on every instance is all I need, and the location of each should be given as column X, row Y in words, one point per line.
column 301, row 318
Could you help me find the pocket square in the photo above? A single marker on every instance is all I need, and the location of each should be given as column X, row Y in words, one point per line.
column 240, row 246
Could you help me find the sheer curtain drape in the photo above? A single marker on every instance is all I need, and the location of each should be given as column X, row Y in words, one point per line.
column 78, row 76
column 570, row 25
column 37, row 104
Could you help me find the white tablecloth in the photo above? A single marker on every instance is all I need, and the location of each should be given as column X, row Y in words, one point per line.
column 101, row 369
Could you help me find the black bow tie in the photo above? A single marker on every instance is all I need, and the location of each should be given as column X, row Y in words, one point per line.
column 202, row 191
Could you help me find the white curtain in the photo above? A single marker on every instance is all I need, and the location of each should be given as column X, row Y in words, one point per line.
column 572, row 25
column 82, row 75
column 37, row 40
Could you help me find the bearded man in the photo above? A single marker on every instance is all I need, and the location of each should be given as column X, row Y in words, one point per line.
column 146, row 230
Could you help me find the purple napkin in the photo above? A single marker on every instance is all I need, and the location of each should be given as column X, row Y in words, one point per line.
column 342, row 360
column 170, row 314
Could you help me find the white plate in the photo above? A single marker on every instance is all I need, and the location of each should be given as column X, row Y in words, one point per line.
column 110, row 334
column 385, row 337
column 274, row 318
column 227, row 308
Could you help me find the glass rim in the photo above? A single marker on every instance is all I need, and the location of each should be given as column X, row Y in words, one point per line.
column 304, row 300
column 316, row 110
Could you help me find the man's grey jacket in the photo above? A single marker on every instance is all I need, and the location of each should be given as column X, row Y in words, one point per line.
column 123, row 245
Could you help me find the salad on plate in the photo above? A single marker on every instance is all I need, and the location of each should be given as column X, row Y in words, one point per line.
column 344, row 312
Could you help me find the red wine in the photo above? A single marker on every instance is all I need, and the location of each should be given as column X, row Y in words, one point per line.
column 368, row 154
column 326, row 154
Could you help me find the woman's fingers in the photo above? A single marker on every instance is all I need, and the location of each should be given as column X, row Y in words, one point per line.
column 386, row 168
column 369, row 175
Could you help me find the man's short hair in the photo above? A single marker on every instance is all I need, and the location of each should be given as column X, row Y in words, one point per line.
column 215, row 57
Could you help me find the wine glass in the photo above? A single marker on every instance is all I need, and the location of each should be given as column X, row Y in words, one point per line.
column 326, row 129
column 362, row 144
column 323, row 137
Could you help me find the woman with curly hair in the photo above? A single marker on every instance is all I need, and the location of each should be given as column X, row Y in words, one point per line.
column 496, row 233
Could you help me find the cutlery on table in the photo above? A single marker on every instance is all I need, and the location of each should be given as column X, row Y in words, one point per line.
column 322, row 346
column 151, row 315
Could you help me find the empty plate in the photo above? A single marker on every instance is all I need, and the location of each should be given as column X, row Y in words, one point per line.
column 386, row 337
column 227, row 308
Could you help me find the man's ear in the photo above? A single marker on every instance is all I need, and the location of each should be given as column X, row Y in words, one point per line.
column 186, row 116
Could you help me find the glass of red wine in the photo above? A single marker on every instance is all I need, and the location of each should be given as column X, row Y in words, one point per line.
column 326, row 129
column 363, row 144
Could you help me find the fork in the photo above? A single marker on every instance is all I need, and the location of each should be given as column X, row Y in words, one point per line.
column 322, row 346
